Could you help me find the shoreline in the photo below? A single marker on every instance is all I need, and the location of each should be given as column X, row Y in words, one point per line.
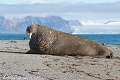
column 15, row 64
column 109, row 39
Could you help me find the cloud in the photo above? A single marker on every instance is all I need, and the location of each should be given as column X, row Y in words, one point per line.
column 66, row 10
column 35, row 1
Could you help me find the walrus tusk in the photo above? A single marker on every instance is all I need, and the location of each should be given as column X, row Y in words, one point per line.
column 30, row 35
column 25, row 35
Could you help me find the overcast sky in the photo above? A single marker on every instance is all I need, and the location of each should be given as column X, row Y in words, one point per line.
column 53, row 1
column 100, row 10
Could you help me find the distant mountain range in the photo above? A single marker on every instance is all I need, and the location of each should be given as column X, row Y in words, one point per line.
column 19, row 25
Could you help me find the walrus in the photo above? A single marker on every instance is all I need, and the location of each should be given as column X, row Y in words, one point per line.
column 44, row 40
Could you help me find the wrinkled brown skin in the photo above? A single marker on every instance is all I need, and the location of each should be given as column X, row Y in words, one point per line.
column 45, row 40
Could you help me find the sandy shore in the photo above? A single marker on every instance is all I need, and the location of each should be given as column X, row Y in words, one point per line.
column 16, row 65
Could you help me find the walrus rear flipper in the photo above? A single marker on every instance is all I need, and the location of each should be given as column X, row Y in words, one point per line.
column 109, row 56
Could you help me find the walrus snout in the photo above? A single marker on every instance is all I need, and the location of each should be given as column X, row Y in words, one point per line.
column 31, row 29
column 109, row 56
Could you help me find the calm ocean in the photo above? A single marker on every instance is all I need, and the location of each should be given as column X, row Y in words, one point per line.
column 102, row 38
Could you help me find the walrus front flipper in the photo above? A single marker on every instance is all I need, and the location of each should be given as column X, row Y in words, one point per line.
column 33, row 52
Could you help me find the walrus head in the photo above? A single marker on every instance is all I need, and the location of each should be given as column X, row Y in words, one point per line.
column 32, row 29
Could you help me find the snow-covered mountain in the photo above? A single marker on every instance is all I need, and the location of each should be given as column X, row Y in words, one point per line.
column 93, row 23
column 113, row 23
column 19, row 25
column 92, row 27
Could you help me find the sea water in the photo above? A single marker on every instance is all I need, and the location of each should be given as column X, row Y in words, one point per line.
column 11, row 36
column 102, row 38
